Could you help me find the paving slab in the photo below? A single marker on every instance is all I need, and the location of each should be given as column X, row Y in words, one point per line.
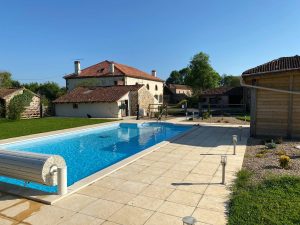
column 179, row 179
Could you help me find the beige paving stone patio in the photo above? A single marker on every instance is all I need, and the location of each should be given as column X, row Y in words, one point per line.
column 185, row 198
column 146, row 202
column 7, row 221
column 179, row 179
column 175, row 209
column 75, row 202
column 94, row 191
column 102, row 208
column 210, row 216
column 110, row 182
column 109, row 223
column 163, row 219
column 118, row 196
column 157, row 192
column 49, row 215
column 132, row 187
column 130, row 215
column 81, row 219
column 213, row 203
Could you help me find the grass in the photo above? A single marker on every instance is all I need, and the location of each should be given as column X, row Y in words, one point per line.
column 274, row 201
column 9, row 129
column 243, row 118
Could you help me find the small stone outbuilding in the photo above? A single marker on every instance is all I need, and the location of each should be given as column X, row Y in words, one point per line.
column 275, row 97
column 104, row 102
column 33, row 110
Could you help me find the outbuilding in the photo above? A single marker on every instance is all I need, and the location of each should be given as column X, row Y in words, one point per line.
column 32, row 110
column 104, row 102
column 275, row 97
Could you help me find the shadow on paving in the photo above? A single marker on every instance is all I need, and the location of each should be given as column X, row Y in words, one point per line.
column 213, row 136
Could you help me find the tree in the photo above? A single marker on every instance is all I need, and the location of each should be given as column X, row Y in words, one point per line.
column 202, row 76
column 175, row 78
column 6, row 81
column 230, row 81
column 48, row 90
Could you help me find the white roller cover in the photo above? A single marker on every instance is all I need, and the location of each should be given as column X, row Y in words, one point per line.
column 30, row 166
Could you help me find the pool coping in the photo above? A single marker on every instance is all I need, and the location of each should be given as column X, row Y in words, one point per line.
column 50, row 199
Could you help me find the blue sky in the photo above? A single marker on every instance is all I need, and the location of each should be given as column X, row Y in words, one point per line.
column 39, row 40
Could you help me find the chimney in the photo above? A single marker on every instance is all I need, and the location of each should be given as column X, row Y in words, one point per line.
column 77, row 67
column 112, row 68
column 154, row 73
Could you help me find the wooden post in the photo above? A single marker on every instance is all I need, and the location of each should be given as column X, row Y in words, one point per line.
column 253, row 110
column 290, row 108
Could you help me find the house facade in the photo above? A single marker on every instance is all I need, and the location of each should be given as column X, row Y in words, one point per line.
column 174, row 93
column 275, row 97
column 109, row 73
column 33, row 110
column 104, row 102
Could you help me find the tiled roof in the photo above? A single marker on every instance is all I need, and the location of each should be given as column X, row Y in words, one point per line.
column 97, row 94
column 277, row 65
column 102, row 69
column 7, row 91
column 180, row 86
column 223, row 91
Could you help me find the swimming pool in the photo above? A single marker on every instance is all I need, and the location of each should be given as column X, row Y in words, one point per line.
column 91, row 150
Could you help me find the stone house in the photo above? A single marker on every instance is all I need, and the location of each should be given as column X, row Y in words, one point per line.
column 33, row 110
column 275, row 97
column 174, row 93
column 109, row 73
column 104, row 102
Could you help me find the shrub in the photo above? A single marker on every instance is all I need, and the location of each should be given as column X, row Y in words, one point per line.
column 281, row 152
column 18, row 103
column 284, row 161
column 271, row 145
column 259, row 155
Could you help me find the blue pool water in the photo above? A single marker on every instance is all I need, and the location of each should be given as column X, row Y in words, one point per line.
column 88, row 151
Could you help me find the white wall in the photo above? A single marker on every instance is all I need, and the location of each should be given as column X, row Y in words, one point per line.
column 99, row 81
column 151, row 83
column 100, row 110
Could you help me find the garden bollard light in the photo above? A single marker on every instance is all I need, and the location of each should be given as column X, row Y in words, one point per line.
column 234, row 141
column 223, row 163
column 189, row 220
column 241, row 130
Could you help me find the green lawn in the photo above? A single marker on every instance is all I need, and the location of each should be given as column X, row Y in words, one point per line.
column 274, row 201
column 10, row 129
column 243, row 118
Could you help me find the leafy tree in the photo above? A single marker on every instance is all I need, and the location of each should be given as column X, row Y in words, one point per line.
column 6, row 81
column 230, row 81
column 178, row 77
column 48, row 90
column 202, row 76
column 175, row 78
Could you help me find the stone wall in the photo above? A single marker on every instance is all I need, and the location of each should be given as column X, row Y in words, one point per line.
column 33, row 110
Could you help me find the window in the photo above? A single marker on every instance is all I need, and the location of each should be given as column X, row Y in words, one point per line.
column 156, row 96
column 156, row 88
column 136, row 83
column 148, row 86
column 75, row 106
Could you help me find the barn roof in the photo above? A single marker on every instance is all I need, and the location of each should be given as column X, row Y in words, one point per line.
column 7, row 91
column 277, row 65
column 96, row 94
